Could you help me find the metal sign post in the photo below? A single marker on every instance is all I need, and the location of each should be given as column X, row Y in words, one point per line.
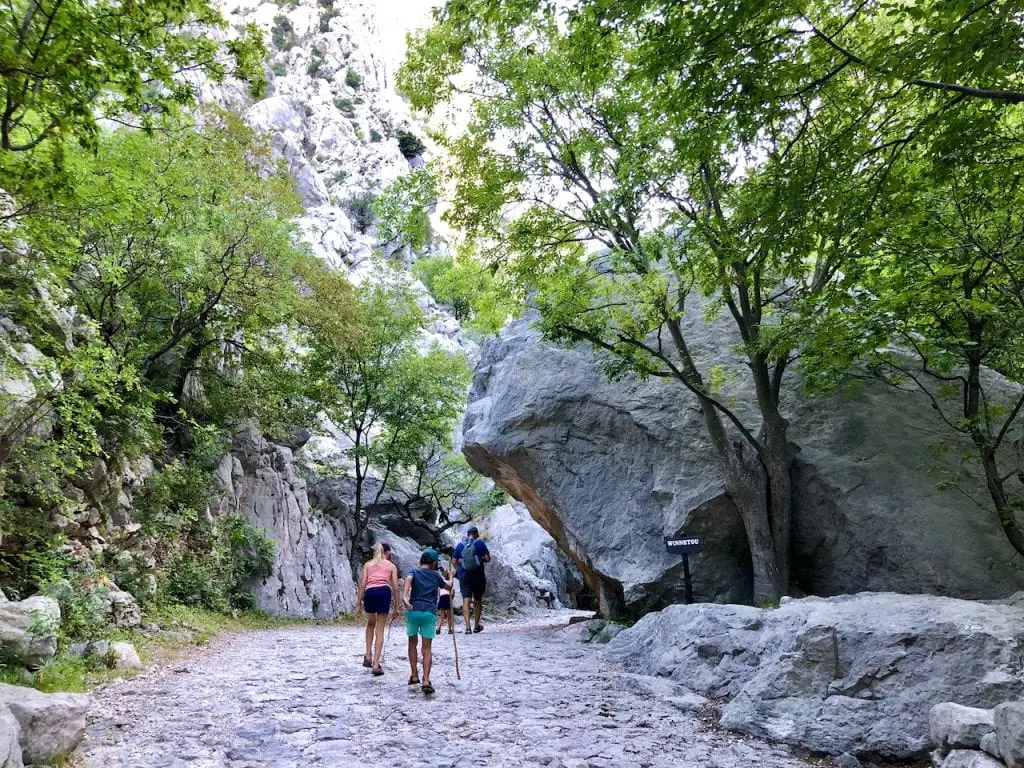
column 684, row 545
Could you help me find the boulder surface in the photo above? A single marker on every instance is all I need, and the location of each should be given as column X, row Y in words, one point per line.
column 854, row 674
column 52, row 724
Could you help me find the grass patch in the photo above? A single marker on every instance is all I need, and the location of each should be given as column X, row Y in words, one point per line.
column 185, row 628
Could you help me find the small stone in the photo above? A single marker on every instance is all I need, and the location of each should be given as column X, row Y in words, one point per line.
column 847, row 760
column 990, row 744
column 969, row 758
column 957, row 727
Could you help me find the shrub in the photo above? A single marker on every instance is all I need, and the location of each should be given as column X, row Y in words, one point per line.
column 315, row 66
column 375, row 135
column 353, row 79
column 325, row 18
column 278, row 69
column 361, row 208
column 217, row 573
column 282, row 34
column 409, row 144
column 345, row 106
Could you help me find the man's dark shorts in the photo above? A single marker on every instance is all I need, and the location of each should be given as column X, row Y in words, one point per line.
column 473, row 583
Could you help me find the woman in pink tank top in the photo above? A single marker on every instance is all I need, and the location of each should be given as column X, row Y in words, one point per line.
column 376, row 587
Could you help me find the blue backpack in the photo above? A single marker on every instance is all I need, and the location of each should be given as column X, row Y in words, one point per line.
column 470, row 560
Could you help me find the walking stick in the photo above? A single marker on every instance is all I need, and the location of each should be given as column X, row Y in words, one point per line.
column 455, row 643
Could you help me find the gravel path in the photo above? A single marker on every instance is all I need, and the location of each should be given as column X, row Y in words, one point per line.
column 299, row 697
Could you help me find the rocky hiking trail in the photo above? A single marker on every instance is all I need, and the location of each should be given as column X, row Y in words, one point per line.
column 529, row 695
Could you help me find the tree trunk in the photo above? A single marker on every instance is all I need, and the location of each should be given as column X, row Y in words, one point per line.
column 749, row 490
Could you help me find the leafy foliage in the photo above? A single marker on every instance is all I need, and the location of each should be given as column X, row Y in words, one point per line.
column 632, row 165
column 389, row 397
column 469, row 288
column 353, row 79
column 402, row 210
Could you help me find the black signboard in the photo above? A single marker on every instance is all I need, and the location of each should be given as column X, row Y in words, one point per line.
column 683, row 545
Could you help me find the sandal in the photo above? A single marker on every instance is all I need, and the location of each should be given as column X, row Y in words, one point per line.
column 378, row 671
column 413, row 680
column 478, row 628
column 427, row 688
column 366, row 662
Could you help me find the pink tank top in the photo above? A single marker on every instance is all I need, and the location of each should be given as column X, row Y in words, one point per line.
column 378, row 574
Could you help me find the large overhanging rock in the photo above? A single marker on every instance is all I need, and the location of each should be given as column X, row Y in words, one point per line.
column 845, row 674
column 610, row 468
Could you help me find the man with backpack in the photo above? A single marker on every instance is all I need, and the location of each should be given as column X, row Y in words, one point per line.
column 470, row 556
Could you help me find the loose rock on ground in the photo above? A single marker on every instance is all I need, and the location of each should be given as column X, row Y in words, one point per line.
column 299, row 697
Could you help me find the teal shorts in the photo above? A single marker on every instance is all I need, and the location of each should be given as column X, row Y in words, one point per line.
column 420, row 623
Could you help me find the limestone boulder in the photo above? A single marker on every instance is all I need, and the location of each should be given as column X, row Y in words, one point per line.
column 10, row 744
column 52, row 724
column 610, row 468
column 855, row 674
column 28, row 631
column 1009, row 722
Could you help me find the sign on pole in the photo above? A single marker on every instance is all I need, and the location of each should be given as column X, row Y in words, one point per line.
column 684, row 545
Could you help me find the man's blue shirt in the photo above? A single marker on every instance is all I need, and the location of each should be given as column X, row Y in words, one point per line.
column 479, row 547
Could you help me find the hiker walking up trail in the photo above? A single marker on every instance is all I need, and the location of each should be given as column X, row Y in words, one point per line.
column 420, row 597
column 377, row 586
column 470, row 555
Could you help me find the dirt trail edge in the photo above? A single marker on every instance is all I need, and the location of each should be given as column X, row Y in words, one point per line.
column 299, row 697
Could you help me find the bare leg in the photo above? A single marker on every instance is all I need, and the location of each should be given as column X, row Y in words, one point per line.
column 382, row 620
column 465, row 611
column 371, row 619
column 479, row 610
column 412, row 657
column 428, row 658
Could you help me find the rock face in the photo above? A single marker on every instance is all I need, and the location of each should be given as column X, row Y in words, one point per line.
column 28, row 631
column 52, row 724
column 852, row 674
column 312, row 574
column 609, row 469
column 525, row 561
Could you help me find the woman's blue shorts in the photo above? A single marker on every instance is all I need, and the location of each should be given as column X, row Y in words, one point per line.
column 377, row 600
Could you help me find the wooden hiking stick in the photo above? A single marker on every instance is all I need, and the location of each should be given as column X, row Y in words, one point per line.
column 455, row 643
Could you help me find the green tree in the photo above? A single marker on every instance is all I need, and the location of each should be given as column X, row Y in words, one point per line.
column 388, row 396
column 470, row 288
column 591, row 153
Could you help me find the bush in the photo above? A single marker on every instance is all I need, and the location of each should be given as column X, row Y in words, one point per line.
column 219, row 570
column 361, row 208
column 279, row 69
column 375, row 135
column 409, row 144
column 282, row 34
column 315, row 66
column 353, row 79
column 325, row 18
column 345, row 106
